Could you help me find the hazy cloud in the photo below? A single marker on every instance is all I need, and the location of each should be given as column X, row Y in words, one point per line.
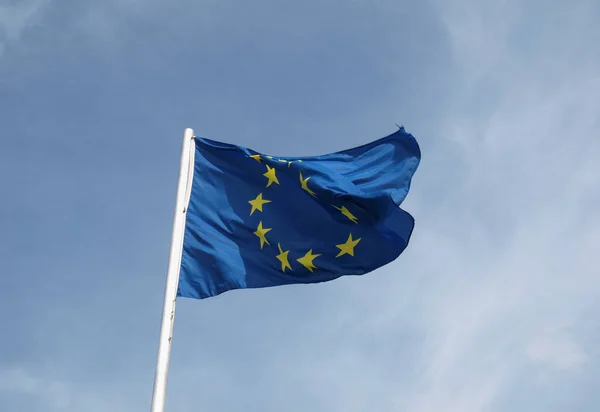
column 16, row 18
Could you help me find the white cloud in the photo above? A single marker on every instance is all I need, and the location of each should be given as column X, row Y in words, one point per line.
column 558, row 350
column 16, row 19
column 55, row 395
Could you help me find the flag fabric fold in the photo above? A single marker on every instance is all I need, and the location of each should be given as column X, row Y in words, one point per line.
column 255, row 220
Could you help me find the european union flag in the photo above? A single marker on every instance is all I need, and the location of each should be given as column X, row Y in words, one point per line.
column 256, row 221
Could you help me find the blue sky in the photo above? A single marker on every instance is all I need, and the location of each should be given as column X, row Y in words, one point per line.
column 493, row 306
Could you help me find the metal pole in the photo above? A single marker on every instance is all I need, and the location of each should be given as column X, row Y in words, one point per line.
column 186, row 171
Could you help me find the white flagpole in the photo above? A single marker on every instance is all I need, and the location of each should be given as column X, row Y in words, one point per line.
column 186, row 171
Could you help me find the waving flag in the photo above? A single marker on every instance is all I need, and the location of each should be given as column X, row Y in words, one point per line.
column 255, row 220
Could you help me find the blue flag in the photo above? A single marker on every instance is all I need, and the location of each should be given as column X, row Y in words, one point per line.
column 257, row 221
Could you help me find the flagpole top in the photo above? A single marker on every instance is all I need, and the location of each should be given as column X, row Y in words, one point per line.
column 189, row 133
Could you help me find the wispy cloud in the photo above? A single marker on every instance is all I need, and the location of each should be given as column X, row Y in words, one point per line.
column 18, row 381
column 17, row 18
column 46, row 393
column 557, row 349
column 522, row 222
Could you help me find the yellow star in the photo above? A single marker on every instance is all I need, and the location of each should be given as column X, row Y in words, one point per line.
column 347, row 213
column 307, row 260
column 283, row 258
column 270, row 174
column 257, row 158
column 282, row 160
column 348, row 247
column 258, row 203
column 261, row 232
column 304, row 184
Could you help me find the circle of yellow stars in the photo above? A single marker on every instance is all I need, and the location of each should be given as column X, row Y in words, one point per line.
column 257, row 204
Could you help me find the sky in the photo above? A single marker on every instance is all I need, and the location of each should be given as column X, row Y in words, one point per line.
column 493, row 306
